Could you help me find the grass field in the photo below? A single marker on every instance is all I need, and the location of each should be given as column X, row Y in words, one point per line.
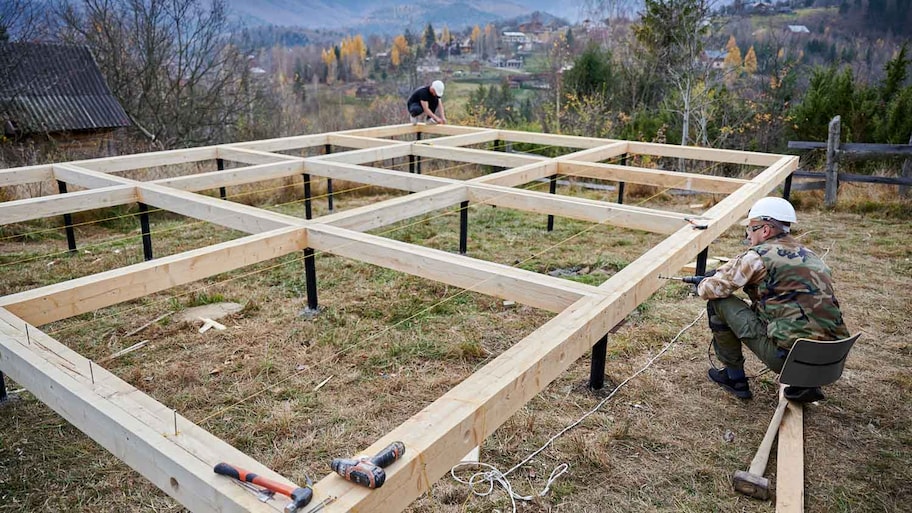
column 391, row 343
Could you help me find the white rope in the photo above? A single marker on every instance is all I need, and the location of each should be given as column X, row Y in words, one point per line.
column 493, row 475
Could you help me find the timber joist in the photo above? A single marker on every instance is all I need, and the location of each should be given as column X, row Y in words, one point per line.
column 140, row 431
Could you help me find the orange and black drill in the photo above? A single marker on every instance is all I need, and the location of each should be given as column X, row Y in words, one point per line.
column 369, row 472
column 300, row 496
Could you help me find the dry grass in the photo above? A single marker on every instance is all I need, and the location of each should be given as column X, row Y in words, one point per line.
column 393, row 343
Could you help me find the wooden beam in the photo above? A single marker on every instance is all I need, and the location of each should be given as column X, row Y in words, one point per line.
column 886, row 150
column 47, row 206
column 145, row 160
column 60, row 301
column 400, row 180
column 446, row 130
column 355, row 141
column 252, row 157
column 709, row 154
column 670, row 179
column 87, row 178
column 790, row 461
column 394, row 210
column 492, row 158
column 24, row 175
column 605, row 152
column 564, row 141
column 626, row 216
column 131, row 425
column 533, row 289
column 234, row 176
column 223, row 213
column 394, row 150
column 285, row 143
column 482, row 136
column 519, row 175
column 383, row 131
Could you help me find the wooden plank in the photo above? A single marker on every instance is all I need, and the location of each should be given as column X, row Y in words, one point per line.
column 400, row 180
column 384, row 131
column 47, row 206
column 608, row 151
column 144, row 160
column 626, row 216
column 60, row 301
column 223, row 213
column 234, row 176
column 446, row 130
column 479, row 137
column 128, row 423
column 355, row 141
column 890, row 150
column 790, row 461
column 709, row 154
column 564, row 141
column 284, row 143
column 24, row 175
column 670, row 179
column 487, row 157
column 398, row 149
column 519, row 175
column 398, row 209
column 503, row 281
column 832, row 163
column 87, row 178
column 848, row 177
column 251, row 156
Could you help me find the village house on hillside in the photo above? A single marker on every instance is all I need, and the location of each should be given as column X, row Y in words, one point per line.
column 52, row 92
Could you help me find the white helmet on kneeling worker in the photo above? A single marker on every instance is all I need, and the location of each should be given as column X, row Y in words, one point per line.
column 774, row 209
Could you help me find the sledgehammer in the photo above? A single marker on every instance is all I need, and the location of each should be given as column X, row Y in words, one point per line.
column 752, row 482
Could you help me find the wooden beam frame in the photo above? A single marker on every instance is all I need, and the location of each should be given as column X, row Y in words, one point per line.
column 437, row 437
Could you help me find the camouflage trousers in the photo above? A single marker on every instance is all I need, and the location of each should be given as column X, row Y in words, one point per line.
column 733, row 323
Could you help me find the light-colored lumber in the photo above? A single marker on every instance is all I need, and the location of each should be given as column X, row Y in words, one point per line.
column 285, row 143
column 790, row 461
column 445, row 130
column 540, row 291
column 234, row 176
column 356, row 141
column 398, row 209
column 394, row 150
column 626, row 216
column 479, row 137
column 131, row 425
column 400, row 180
column 48, row 206
column 217, row 211
column 62, row 300
column 145, row 160
column 605, row 152
column 520, row 175
column 426, row 149
column 695, row 153
column 24, row 175
column 251, row 156
column 86, row 177
column 564, row 141
column 383, row 131
column 670, row 179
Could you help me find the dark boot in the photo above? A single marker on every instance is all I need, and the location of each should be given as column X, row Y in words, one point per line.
column 737, row 387
column 803, row 394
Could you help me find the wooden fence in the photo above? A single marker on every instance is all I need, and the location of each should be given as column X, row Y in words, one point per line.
column 836, row 151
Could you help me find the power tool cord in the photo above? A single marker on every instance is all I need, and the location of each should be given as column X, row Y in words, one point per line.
column 493, row 475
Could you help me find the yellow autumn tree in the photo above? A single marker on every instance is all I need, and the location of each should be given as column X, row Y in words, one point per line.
column 329, row 60
column 750, row 61
column 445, row 35
column 353, row 52
column 733, row 57
column 400, row 50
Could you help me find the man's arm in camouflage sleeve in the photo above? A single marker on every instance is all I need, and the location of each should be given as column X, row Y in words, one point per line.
column 746, row 268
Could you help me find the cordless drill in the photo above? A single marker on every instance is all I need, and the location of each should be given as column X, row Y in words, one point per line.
column 369, row 472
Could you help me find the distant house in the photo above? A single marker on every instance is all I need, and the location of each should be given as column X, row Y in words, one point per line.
column 798, row 29
column 515, row 37
column 57, row 92
column 715, row 58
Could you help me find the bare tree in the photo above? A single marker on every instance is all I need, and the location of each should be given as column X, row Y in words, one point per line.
column 22, row 20
column 170, row 63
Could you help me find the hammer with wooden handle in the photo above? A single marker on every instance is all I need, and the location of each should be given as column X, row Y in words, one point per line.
column 752, row 482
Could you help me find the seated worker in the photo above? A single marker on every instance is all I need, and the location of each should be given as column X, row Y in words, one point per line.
column 424, row 101
column 791, row 294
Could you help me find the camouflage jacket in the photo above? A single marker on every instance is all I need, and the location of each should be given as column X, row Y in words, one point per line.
column 790, row 287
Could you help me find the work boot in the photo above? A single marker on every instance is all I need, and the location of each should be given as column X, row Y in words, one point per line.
column 737, row 387
column 803, row 394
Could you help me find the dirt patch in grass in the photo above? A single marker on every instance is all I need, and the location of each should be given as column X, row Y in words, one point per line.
column 669, row 441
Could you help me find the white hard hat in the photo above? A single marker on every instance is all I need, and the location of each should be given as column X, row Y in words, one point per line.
column 773, row 208
column 438, row 87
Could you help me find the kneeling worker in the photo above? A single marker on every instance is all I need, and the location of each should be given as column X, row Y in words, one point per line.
column 424, row 101
column 791, row 294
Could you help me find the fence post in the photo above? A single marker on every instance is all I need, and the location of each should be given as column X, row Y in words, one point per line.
column 832, row 163
column 904, row 190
